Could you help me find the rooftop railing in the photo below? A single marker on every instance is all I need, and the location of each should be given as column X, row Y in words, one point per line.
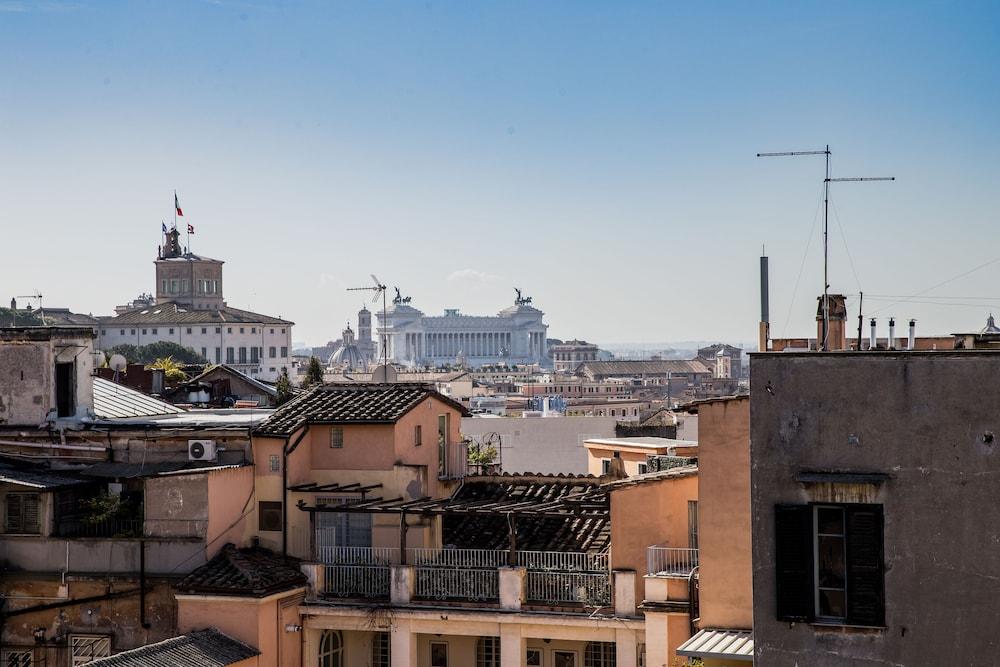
column 670, row 561
column 472, row 575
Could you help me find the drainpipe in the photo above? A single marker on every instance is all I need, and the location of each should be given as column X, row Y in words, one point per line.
column 142, row 585
column 285, row 451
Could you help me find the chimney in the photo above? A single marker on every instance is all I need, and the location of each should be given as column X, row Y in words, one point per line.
column 912, row 340
column 873, row 340
column 892, row 334
column 763, row 327
column 836, row 335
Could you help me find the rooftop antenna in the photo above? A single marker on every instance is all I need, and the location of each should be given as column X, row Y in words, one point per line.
column 37, row 296
column 379, row 289
column 826, row 225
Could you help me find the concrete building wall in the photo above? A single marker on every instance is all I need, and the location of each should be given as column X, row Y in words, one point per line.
column 543, row 445
column 926, row 421
column 117, row 617
column 230, row 497
column 93, row 555
column 176, row 506
column 28, row 359
column 725, row 571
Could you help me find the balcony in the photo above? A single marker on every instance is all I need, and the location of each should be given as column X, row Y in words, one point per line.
column 664, row 561
column 546, row 578
column 114, row 527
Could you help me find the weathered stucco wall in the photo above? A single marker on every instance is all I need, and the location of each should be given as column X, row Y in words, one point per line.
column 117, row 617
column 725, row 570
column 927, row 420
column 177, row 506
column 647, row 514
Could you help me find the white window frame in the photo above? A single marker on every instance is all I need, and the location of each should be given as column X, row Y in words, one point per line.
column 87, row 648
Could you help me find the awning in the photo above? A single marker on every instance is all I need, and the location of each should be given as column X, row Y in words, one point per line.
column 719, row 644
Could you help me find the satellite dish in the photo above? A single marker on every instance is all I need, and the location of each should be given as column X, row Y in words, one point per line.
column 117, row 362
column 384, row 373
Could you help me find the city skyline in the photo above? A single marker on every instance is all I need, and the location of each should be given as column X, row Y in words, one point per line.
column 587, row 154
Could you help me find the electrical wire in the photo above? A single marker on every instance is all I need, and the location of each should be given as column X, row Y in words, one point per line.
column 802, row 266
column 847, row 249
column 934, row 287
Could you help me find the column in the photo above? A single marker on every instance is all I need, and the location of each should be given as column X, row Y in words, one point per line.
column 402, row 644
column 626, row 651
column 513, row 647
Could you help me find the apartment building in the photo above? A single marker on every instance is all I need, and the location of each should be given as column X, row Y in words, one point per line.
column 873, row 528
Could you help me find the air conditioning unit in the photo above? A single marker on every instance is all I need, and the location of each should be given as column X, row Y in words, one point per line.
column 201, row 450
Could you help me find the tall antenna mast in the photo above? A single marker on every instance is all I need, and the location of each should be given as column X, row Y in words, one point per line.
column 826, row 227
column 379, row 289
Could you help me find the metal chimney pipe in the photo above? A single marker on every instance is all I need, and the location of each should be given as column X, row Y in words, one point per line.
column 872, row 339
column 912, row 340
column 892, row 334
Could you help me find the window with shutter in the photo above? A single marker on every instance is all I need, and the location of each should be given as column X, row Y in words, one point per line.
column 21, row 513
column 829, row 563
column 793, row 556
column 865, row 583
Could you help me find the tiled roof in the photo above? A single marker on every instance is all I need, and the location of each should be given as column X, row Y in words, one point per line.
column 201, row 648
column 490, row 531
column 350, row 404
column 640, row 367
column 174, row 313
column 251, row 572
column 112, row 400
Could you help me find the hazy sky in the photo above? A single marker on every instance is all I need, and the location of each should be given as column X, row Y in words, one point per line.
column 601, row 156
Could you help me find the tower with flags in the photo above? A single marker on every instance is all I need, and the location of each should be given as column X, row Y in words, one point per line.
column 189, row 309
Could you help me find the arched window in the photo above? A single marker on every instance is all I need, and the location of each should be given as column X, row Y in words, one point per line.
column 488, row 652
column 331, row 649
column 599, row 654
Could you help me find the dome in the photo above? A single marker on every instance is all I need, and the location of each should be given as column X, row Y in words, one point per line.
column 348, row 358
column 991, row 326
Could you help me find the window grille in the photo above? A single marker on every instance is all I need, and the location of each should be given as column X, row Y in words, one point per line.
column 380, row 649
column 87, row 648
column 599, row 654
column 488, row 652
column 16, row 658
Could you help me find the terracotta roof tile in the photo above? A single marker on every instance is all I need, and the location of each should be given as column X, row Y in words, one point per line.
column 251, row 572
column 350, row 404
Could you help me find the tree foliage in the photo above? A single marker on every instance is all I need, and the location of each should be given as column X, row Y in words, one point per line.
column 284, row 388
column 171, row 369
column 314, row 374
column 148, row 354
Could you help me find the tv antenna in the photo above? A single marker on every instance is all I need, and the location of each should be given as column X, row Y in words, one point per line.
column 379, row 289
column 826, row 225
column 37, row 296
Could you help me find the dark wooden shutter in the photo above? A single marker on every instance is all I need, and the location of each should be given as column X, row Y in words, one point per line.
column 865, row 564
column 793, row 557
column 13, row 522
column 29, row 508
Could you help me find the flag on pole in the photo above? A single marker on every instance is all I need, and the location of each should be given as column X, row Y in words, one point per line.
column 190, row 228
column 177, row 205
column 164, row 226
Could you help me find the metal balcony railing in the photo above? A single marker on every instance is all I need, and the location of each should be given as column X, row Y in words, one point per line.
column 114, row 527
column 472, row 575
column 586, row 588
column 449, row 583
column 358, row 581
column 670, row 561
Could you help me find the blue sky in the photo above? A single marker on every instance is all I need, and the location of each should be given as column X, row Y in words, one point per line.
column 601, row 156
